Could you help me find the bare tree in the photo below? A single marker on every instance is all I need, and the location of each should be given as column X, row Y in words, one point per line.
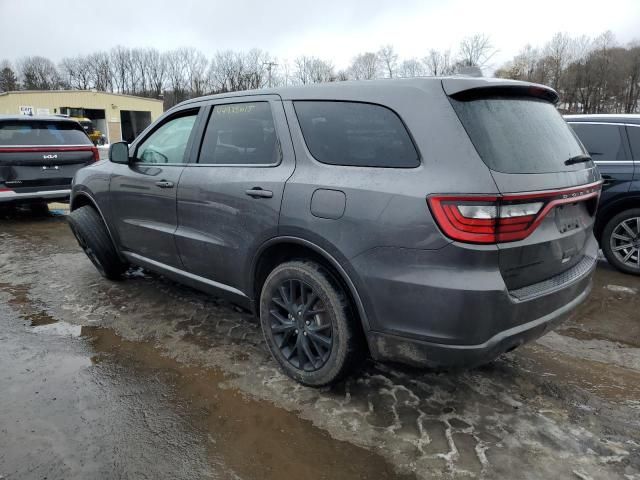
column 365, row 66
column 76, row 73
column 176, row 73
column 313, row 70
column 411, row 68
column 99, row 65
column 438, row 63
column 558, row 55
column 120, row 63
column 195, row 71
column 632, row 80
column 38, row 73
column 475, row 51
column 389, row 60
column 157, row 72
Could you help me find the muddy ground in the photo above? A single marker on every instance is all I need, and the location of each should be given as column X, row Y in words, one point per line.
column 145, row 378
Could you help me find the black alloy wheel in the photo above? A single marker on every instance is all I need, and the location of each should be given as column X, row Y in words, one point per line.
column 300, row 325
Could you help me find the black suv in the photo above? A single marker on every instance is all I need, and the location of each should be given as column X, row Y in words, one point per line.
column 613, row 141
column 39, row 156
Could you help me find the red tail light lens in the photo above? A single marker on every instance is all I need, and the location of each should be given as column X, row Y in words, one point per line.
column 500, row 218
column 96, row 154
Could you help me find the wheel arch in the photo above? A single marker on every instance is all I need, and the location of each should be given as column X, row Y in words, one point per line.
column 611, row 209
column 277, row 250
column 84, row 199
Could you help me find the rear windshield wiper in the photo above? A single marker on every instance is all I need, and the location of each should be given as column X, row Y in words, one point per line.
column 578, row 159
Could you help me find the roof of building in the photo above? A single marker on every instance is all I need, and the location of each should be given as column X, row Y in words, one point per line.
column 21, row 92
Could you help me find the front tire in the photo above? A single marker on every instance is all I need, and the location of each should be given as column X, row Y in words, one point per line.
column 621, row 241
column 308, row 325
column 93, row 237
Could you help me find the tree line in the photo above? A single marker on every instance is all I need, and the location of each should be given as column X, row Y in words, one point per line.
column 186, row 72
column 592, row 75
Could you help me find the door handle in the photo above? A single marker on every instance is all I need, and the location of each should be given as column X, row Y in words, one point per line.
column 258, row 192
column 164, row 184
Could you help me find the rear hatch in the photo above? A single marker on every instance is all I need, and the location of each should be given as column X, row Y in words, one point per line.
column 42, row 154
column 549, row 187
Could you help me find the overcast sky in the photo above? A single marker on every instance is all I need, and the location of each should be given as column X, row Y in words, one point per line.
column 331, row 29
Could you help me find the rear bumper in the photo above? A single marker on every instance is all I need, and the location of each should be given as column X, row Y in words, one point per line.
column 17, row 197
column 451, row 308
column 389, row 347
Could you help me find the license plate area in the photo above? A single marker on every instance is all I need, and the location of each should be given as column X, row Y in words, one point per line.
column 570, row 217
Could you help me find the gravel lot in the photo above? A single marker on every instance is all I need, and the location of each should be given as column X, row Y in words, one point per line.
column 145, row 378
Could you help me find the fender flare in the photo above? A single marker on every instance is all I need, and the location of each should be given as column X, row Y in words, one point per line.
column 327, row 256
column 94, row 204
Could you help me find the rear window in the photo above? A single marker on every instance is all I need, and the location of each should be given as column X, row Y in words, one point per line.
column 519, row 134
column 42, row 132
column 603, row 142
column 355, row 134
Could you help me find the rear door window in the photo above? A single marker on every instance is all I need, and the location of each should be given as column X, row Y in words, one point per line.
column 42, row 132
column 355, row 134
column 634, row 140
column 240, row 134
column 519, row 134
column 603, row 142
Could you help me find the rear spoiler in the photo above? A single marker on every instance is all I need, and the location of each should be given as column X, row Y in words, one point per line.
column 472, row 88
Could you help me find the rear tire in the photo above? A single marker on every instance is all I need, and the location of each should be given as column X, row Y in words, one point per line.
column 623, row 229
column 309, row 327
column 93, row 237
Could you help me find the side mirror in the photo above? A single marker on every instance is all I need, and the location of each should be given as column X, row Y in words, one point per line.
column 119, row 152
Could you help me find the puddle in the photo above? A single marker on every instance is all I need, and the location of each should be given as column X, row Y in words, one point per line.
column 590, row 375
column 256, row 439
column 602, row 351
column 40, row 319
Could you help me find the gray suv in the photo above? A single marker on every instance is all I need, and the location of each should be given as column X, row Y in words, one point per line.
column 438, row 222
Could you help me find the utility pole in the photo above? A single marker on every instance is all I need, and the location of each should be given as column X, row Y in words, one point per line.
column 269, row 65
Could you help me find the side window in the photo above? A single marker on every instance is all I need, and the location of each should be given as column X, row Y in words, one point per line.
column 634, row 140
column 240, row 134
column 169, row 142
column 603, row 142
column 355, row 134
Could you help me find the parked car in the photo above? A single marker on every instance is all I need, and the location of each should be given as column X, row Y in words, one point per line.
column 437, row 222
column 613, row 141
column 39, row 156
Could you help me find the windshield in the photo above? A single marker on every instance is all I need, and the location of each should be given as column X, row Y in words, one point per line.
column 42, row 132
column 519, row 134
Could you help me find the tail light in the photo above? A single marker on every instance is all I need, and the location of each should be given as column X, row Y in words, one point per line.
column 96, row 153
column 501, row 218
